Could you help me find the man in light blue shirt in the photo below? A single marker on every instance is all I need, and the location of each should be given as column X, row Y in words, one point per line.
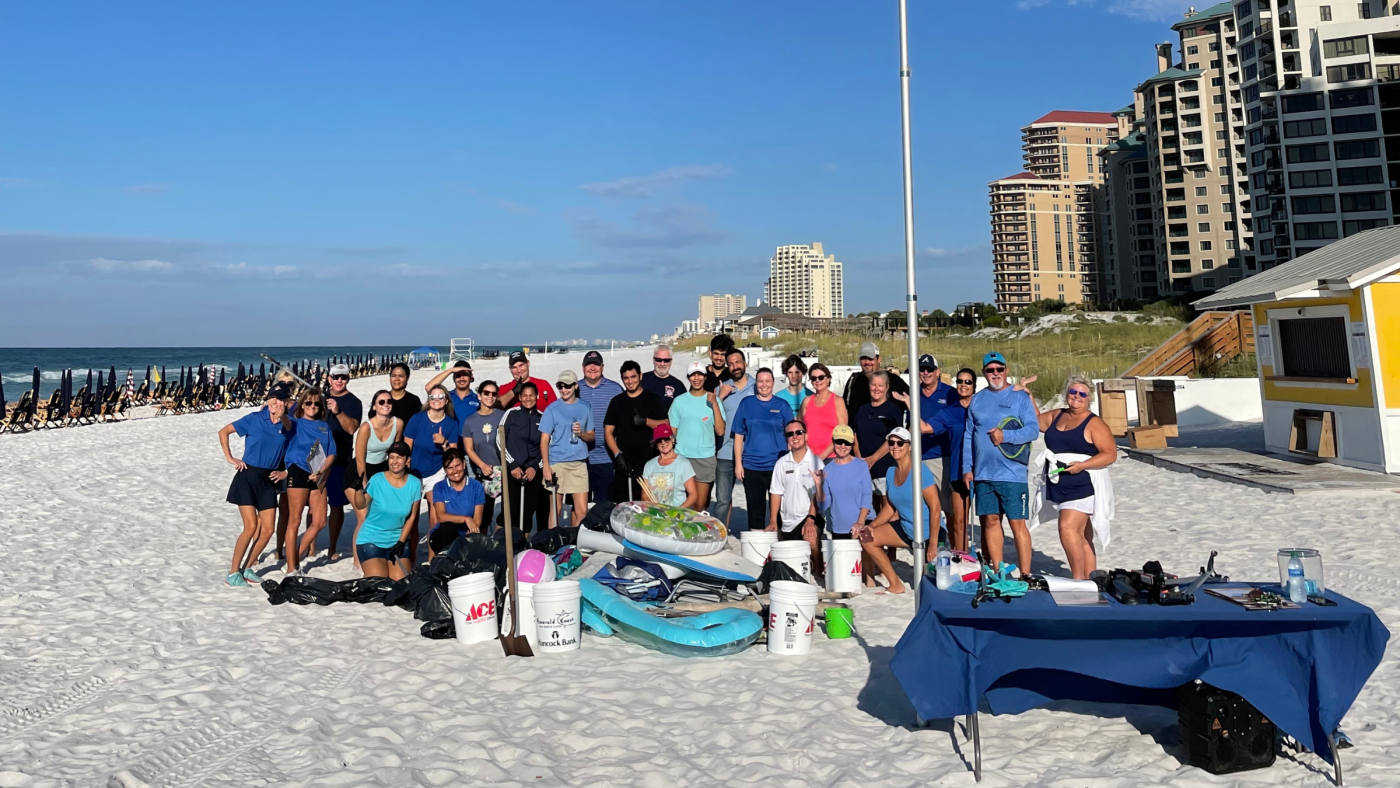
column 738, row 388
column 1001, row 425
column 597, row 393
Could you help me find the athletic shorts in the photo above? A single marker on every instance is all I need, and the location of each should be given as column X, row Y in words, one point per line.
column 299, row 478
column 252, row 487
column 704, row 469
column 1003, row 498
column 369, row 552
column 945, row 482
column 570, row 477
column 960, row 487
column 1085, row 505
column 352, row 474
column 903, row 538
column 335, row 487
column 429, row 481
column 795, row 535
column 444, row 535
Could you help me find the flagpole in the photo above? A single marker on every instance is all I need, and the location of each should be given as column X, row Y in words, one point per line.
column 915, row 433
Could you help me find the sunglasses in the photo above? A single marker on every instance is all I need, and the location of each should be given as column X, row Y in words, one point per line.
column 561, row 384
column 963, row 382
column 1077, row 393
column 384, row 402
column 314, row 403
column 994, row 370
column 436, row 398
column 661, row 360
column 897, row 442
column 816, row 378
column 795, row 433
column 340, row 377
column 842, row 443
column 490, row 393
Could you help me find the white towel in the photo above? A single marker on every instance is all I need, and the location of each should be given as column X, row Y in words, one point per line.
column 1042, row 511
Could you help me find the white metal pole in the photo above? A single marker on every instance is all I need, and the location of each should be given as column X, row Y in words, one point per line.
column 916, row 435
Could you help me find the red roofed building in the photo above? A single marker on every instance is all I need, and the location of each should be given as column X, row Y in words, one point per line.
column 1063, row 145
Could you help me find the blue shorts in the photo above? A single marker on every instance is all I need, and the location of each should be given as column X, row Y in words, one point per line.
column 1005, row 498
column 369, row 552
column 335, row 487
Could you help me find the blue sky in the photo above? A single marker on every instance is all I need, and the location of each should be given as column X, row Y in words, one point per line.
column 346, row 173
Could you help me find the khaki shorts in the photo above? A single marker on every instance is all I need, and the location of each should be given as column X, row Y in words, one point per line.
column 571, row 477
column 704, row 468
column 945, row 483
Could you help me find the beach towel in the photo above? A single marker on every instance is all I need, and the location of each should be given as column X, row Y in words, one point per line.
column 1042, row 511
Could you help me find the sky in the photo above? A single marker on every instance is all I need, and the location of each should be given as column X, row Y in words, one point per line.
column 381, row 173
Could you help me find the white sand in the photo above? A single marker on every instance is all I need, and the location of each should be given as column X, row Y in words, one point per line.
column 125, row 661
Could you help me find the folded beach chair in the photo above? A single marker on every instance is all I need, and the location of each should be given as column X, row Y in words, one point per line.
column 18, row 417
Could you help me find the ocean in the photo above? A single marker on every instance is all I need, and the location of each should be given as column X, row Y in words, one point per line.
column 17, row 364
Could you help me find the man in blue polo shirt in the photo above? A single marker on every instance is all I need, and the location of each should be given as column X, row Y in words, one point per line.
column 464, row 400
column 597, row 392
column 933, row 397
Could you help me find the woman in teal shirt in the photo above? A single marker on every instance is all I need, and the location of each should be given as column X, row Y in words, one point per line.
column 392, row 499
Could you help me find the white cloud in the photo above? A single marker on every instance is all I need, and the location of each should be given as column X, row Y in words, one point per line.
column 147, row 189
column 1146, row 10
column 673, row 227
column 641, row 187
column 151, row 266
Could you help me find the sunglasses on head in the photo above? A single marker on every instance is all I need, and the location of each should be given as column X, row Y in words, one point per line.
column 795, row 433
column 897, row 442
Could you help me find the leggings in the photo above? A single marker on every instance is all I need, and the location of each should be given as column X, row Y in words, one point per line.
column 756, row 495
column 534, row 498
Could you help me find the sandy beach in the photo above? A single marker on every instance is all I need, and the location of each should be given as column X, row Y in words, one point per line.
column 125, row 660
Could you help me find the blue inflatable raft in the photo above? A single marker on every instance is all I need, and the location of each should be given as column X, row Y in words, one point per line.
column 713, row 634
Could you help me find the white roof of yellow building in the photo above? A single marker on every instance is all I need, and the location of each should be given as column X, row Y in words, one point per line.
column 1338, row 267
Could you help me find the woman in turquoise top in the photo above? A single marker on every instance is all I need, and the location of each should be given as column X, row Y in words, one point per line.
column 391, row 499
column 894, row 526
column 794, row 392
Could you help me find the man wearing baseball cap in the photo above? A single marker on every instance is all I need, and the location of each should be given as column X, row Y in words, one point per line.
column 858, row 386
column 597, row 392
column 933, row 397
column 1001, row 424
column 344, row 411
column 519, row 373
column 464, row 400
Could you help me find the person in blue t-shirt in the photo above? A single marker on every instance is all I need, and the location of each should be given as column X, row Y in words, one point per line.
column 947, row 426
column 390, row 501
column 464, row 400
column 265, row 433
column 758, row 443
column 310, row 452
column 460, row 502
column 1001, row 425
column 565, row 430
column 428, row 433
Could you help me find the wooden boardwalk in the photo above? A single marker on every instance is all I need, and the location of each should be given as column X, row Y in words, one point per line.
column 1269, row 472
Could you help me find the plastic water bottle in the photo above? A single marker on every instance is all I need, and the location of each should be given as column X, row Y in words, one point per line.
column 1297, row 588
column 943, row 570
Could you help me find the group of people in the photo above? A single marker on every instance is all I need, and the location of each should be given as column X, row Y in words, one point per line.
column 813, row 464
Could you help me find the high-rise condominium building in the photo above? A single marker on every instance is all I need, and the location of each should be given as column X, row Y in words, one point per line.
column 1192, row 123
column 1045, row 234
column 804, row 280
column 1322, row 107
column 714, row 307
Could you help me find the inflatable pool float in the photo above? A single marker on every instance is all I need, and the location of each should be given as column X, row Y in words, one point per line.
column 723, row 565
column 668, row 529
column 714, row 634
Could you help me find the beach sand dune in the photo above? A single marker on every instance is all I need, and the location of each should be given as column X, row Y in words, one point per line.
column 125, row 661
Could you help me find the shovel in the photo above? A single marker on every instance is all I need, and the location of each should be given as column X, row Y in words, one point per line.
column 514, row 644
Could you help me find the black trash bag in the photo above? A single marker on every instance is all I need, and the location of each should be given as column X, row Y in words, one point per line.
column 776, row 570
column 406, row 592
column 303, row 590
column 439, row 630
column 365, row 589
column 434, row 604
column 599, row 517
column 550, row 540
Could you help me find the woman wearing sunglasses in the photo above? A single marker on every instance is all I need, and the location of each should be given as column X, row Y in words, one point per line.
column 479, row 441
column 846, row 486
column 428, row 433
column 306, row 485
column 822, row 411
column 1079, row 447
column 948, row 423
column 372, row 442
column 894, row 527
column 669, row 475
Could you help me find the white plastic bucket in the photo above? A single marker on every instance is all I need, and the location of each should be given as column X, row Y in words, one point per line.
column 525, row 593
column 843, row 560
column 557, row 616
column 474, row 606
column 792, row 615
column 797, row 555
column 754, row 545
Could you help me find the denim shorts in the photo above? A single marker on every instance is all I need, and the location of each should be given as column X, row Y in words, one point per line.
column 1004, row 498
column 369, row 552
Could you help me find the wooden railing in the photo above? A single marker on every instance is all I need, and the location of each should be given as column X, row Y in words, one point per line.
column 1213, row 339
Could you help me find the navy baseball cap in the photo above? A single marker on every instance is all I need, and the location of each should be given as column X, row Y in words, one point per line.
column 592, row 357
column 927, row 361
column 993, row 356
column 517, row 357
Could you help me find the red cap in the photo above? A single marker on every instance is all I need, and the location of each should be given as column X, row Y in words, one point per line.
column 662, row 431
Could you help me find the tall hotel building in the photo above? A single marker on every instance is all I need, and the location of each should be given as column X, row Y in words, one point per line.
column 804, row 280
column 717, row 306
column 1045, row 233
column 1322, row 108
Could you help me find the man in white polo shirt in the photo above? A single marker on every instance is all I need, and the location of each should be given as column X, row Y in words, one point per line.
column 795, row 491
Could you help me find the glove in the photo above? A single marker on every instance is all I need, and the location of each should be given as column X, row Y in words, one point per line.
column 396, row 552
column 620, row 465
column 638, row 420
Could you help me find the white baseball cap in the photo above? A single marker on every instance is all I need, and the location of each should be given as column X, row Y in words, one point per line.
column 340, row 369
column 696, row 366
column 901, row 433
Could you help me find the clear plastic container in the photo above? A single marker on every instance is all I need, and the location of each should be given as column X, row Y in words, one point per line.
column 1312, row 568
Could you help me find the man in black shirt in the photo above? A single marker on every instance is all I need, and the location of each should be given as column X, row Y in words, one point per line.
column 718, row 371
column 858, row 386
column 628, row 425
column 406, row 403
column 344, row 410
column 660, row 381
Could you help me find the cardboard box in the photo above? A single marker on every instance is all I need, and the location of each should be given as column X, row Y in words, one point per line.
column 1147, row 438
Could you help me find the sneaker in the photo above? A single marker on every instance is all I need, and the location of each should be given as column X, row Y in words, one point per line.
column 252, row 577
column 236, row 579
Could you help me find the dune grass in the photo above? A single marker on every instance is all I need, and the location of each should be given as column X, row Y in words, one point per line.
column 1094, row 349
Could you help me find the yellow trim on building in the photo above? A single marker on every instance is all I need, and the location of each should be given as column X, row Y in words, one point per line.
column 1385, row 303
column 1357, row 395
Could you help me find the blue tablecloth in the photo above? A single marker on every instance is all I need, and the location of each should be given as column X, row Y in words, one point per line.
column 1301, row 668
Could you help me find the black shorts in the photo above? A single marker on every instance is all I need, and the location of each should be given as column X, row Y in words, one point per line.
column 795, row 535
column 837, row 537
column 299, row 479
column 899, row 534
column 960, row 487
column 352, row 474
column 252, row 487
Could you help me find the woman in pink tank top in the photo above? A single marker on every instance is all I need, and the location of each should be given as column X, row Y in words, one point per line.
column 822, row 412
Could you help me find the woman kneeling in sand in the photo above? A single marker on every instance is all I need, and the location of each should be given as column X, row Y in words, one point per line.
column 390, row 500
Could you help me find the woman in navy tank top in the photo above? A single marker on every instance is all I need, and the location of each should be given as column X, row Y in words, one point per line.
column 1075, row 430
